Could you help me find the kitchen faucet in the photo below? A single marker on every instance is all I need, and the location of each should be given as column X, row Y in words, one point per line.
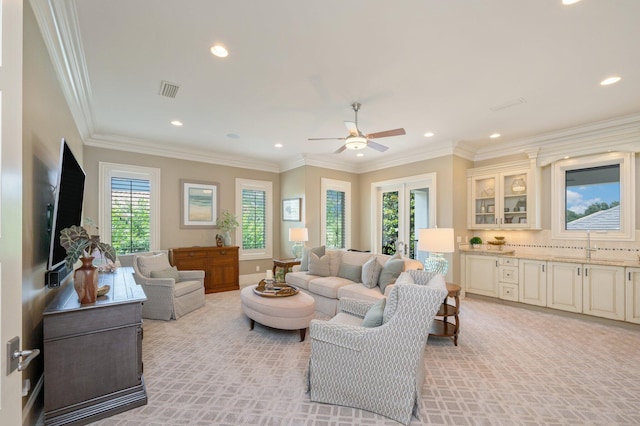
column 588, row 248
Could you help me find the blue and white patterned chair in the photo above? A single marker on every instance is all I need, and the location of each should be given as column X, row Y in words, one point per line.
column 377, row 369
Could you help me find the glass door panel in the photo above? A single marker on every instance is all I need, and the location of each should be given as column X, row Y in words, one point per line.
column 390, row 214
column 484, row 205
column 514, row 199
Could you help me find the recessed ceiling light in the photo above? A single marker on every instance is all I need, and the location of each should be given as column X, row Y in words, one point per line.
column 278, row 145
column 494, row 135
column 177, row 123
column 359, row 154
column 610, row 80
column 219, row 51
column 568, row 2
column 428, row 134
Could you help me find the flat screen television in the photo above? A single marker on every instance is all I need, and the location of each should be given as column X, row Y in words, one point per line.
column 67, row 207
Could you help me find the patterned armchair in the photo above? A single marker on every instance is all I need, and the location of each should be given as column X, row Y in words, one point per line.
column 377, row 369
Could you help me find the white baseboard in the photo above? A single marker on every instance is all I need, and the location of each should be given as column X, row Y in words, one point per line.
column 251, row 279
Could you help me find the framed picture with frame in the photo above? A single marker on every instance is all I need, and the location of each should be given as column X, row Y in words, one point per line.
column 198, row 204
column 291, row 209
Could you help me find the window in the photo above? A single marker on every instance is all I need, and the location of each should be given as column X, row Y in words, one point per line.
column 130, row 214
column 335, row 207
column 254, row 202
column 335, row 214
column 594, row 194
column 129, row 207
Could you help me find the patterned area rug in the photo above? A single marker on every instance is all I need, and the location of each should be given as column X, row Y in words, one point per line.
column 512, row 366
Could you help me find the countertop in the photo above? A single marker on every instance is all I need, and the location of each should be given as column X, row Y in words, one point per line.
column 549, row 257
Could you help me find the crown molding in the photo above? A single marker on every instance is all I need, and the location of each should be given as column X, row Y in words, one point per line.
column 149, row 148
column 622, row 134
column 58, row 22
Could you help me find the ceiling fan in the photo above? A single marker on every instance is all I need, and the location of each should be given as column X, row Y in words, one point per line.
column 357, row 139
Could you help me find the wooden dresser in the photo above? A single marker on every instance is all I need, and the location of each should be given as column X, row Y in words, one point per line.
column 93, row 353
column 220, row 265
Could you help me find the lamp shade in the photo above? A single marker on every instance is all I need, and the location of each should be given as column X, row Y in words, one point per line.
column 436, row 240
column 298, row 234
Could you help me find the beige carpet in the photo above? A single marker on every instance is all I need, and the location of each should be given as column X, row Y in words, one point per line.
column 513, row 366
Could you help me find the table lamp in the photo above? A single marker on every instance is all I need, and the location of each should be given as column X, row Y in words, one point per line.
column 436, row 241
column 298, row 236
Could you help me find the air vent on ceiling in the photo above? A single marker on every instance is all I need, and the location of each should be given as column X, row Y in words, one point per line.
column 509, row 104
column 170, row 90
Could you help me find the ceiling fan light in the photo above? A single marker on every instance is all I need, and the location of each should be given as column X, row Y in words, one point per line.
column 355, row 142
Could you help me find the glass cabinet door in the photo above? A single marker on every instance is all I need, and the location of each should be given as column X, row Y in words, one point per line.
column 514, row 200
column 484, row 202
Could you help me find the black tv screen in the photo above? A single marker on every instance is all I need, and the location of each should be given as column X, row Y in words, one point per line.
column 67, row 208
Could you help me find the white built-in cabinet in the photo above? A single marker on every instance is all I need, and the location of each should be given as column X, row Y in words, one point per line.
column 533, row 282
column 597, row 290
column 633, row 295
column 603, row 291
column 503, row 196
column 481, row 275
column 508, row 278
column 564, row 289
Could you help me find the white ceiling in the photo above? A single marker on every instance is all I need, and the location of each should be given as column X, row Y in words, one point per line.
column 294, row 68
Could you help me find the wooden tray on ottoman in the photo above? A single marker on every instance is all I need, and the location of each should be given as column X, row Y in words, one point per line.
column 279, row 290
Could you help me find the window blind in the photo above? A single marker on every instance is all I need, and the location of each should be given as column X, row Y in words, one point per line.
column 130, row 215
column 254, row 227
column 335, row 222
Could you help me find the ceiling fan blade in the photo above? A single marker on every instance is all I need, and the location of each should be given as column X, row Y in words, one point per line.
column 352, row 128
column 387, row 133
column 326, row 139
column 377, row 146
column 339, row 150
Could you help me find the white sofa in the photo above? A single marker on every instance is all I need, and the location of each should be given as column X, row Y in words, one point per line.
column 327, row 290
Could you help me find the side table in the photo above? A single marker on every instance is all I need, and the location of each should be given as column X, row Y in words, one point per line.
column 285, row 264
column 444, row 327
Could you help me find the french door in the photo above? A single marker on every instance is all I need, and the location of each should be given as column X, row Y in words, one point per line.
column 402, row 209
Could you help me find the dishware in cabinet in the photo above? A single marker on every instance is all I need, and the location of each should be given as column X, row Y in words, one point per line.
column 503, row 196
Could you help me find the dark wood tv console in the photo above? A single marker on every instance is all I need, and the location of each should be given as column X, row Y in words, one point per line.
column 93, row 353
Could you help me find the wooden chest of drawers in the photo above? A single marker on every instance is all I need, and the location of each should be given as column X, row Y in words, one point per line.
column 220, row 265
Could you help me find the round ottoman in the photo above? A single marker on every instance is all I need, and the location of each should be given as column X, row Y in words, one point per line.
column 284, row 313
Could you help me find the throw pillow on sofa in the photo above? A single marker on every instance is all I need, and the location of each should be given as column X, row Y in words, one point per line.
column 371, row 272
column 350, row 272
column 320, row 266
column 304, row 262
column 373, row 317
column 390, row 271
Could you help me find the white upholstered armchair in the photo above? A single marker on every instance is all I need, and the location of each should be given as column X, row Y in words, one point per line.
column 378, row 369
column 170, row 293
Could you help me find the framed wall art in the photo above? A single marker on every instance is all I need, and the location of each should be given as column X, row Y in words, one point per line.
column 291, row 209
column 198, row 204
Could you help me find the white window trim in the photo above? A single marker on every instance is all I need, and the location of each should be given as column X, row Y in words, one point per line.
column 256, row 185
column 626, row 160
column 335, row 185
column 108, row 170
column 427, row 180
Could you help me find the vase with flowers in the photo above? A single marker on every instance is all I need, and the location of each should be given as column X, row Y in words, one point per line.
column 81, row 245
column 227, row 222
